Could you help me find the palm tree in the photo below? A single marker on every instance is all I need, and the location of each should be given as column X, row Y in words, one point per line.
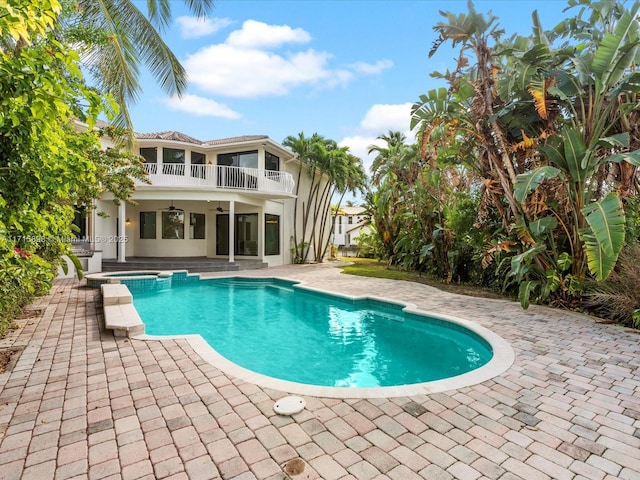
column 329, row 169
column 116, row 37
column 303, row 147
column 348, row 175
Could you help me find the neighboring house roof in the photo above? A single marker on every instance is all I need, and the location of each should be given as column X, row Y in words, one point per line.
column 358, row 227
column 352, row 210
column 242, row 138
column 169, row 135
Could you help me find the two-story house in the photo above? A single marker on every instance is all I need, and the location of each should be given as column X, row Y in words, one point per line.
column 348, row 224
column 229, row 199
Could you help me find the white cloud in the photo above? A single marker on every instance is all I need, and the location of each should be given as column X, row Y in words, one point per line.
column 256, row 34
column 200, row 106
column 378, row 120
column 359, row 145
column 249, row 63
column 194, row 27
column 250, row 73
column 371, row 68
column 381, row 118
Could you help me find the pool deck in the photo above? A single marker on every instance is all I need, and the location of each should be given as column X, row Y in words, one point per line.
column 80, row 403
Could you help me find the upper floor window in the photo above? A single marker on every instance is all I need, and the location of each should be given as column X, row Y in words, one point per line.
column 198, row 158
column 172, row 155
column 271, row 162
column 239, row 159
column 172, row 161
column 197, row 164
column 350, row 220
column 150, row 154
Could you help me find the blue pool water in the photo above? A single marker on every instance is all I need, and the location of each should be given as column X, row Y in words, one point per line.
column 272, row 328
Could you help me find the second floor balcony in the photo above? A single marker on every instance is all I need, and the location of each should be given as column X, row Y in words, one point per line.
column 219, row 177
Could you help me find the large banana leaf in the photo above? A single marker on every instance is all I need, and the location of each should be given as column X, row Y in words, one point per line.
column 604, row 237
column 615, row 141
column 525, row 291
column 542, row 225
column 569, row 153
column 631, row 83
column 631, row 157
column 615, row 53
column 527, row 182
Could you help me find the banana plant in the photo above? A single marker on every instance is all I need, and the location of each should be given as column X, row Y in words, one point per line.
column 599, row 95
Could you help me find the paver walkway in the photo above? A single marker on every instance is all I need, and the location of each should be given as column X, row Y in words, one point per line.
column 80, row 403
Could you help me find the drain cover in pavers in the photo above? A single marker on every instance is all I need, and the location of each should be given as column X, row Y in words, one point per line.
column 294, row 467
column 289, row 405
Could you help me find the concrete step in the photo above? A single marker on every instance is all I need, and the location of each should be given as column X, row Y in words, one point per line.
column 192, row 265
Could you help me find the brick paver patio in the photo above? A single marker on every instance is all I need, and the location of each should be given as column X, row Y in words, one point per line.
column 79, row 403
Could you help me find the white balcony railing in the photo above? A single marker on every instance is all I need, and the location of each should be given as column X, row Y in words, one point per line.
column 219, row 176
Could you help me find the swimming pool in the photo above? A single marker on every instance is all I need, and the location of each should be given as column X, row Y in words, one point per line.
column 308, row 337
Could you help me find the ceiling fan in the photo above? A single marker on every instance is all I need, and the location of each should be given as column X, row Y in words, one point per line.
column 219, row 209
column 172, row 208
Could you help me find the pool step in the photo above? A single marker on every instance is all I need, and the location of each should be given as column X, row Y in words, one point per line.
column 119, row 313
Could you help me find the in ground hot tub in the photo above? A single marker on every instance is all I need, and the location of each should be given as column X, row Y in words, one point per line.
column 142, row 280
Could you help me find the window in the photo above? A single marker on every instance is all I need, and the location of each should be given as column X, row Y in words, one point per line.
column 80, row 222
column 271, row 162
column 232, row 178
column 196, row 226
column 239, row 159
column 150, row 155
column 350, row 220
column 172, row 155
column 271, row 234
column 198, row 158
column 197, row 164
column 173, row 225
column 172, row 161
column 147, row 224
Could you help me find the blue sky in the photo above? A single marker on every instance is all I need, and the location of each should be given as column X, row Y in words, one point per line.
column 348, row 70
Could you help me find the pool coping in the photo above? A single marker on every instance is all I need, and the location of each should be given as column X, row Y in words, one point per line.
column 503, row 357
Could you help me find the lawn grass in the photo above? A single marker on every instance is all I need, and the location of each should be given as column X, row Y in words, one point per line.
column 366, row 267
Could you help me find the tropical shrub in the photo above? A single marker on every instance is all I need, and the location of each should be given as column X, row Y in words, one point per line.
column 369, row 244
column 618, row 297
column 548, row 124
column 46, row 166
column 25, row 276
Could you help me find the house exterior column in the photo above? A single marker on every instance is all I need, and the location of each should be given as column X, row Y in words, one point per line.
column 232, row 234
column 122, row 232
